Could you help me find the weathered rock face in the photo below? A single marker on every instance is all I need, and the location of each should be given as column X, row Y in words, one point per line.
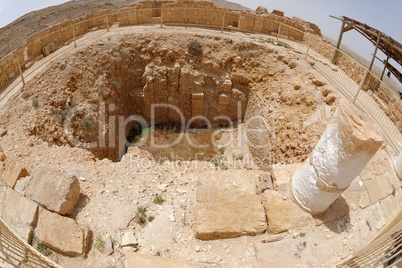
column 345, row 148
column 61, row 234
column 13, row 171
column 2, row 154
column 134, row 259
column 283, row 214
column 18, row 212
column 54, row 190
column 225, row 211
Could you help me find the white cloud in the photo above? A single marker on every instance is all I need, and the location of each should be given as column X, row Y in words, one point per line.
column 1, row 7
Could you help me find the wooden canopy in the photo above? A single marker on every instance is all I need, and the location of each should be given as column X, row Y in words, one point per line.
column 389, row 46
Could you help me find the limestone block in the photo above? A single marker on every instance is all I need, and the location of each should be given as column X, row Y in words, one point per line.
column 283, row 214
column 386, row 187
column 54, row 190
column 224, row 101
column 278, row 12
column 22, row 184
column 343, row 151
column 19, row 213
column 197, row 104
column 62, row 234
column 134, row 259
column 12, row 173
column 373, row 190
column 398, row 165
column 227, row 86
column 225, row 211
column 47, row 50
column 357, row 199
column 261, row 10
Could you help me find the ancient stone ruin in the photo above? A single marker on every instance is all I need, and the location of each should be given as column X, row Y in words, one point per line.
column 183, row 134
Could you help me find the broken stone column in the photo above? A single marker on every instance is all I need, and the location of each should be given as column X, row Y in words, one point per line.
column 398, row 165
column 345, row 148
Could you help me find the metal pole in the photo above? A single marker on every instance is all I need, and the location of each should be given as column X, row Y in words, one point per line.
column 279, row 30
column 75, row 38
column 338, row 45
column 223, row 21
column 107, row 23
column 369, row 68
column 20, row 70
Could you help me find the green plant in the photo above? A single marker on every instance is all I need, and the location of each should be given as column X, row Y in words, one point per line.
column 66, row 112
column 40, row 247
column 3, row 133
column 218, row 163
column 221, row 150
column 151, row 218
column 248, row 46
column 302, row 234
column 99, row 243
column 35, row 103
column 87, row 122
column 141, row 215
column 195, row 48
column 281, row 44
column 158, row 200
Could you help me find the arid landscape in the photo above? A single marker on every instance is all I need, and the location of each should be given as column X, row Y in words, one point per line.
column 175, row 147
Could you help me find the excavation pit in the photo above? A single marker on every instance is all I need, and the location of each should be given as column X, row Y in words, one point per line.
column 99, row 96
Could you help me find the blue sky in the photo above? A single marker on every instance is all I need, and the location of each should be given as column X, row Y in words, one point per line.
column 384, row 15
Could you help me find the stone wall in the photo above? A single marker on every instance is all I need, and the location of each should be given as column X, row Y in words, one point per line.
column 202, row 13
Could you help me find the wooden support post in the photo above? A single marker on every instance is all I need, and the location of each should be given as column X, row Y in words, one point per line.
column 107, row 23
column 308, row 49
column 223, row 21
column 279, row 31
column 161, row 18
column 74, row 37
column 375, row 50
column 20, row 70
column 338, row 45
column 385, row 67
column 369, row 68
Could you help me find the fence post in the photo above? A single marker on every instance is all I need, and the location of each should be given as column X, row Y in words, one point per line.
column 107, row 22
column 338, row 45
column 368, row 69
column 279, row 31
column 361, row 85
column 161, row 18
column 223, row 21
column 74, row 37
column 308, row 49
column 20, row 70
